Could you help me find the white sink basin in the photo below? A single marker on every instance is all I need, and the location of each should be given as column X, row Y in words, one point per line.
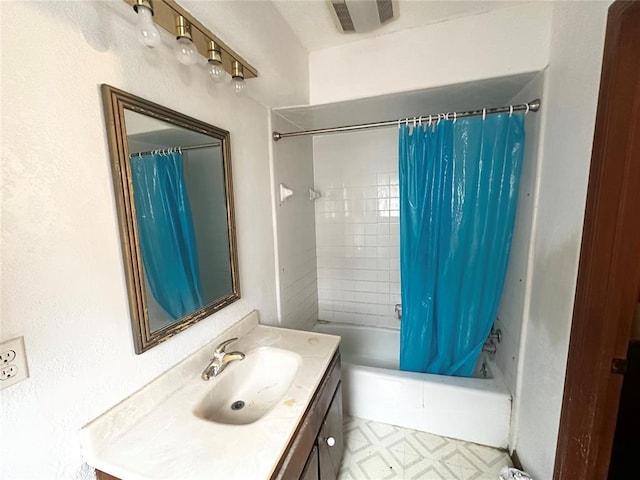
column 247, row 389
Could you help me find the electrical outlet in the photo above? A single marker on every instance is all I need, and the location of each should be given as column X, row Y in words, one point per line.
column 13, row 362
column 7, row 357
column 8, row 371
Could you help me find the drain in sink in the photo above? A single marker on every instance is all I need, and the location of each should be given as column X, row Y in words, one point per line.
column 237, row 405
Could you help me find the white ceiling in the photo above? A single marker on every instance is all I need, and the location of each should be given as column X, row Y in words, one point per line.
column 313, row 24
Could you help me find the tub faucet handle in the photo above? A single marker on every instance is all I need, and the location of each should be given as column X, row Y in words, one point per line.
column 496, row 334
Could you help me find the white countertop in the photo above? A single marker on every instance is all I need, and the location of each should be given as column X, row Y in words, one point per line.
column 154, row 434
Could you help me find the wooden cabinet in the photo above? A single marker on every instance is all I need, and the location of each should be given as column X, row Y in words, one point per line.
column 330, row 441
column 316, row 448
column 311, row 471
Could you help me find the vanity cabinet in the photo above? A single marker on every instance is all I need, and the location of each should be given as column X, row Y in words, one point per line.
column 330, row 441
column 311, row 471
column 315, row 449
column 318, row 439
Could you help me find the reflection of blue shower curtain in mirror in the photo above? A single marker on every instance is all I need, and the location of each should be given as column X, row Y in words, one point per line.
column 167, row 238
column 458, row 194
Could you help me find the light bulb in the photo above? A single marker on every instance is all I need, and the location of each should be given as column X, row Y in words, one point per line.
column 185, row 51
column 146, row 31
column 216, row 72
column 239, row 85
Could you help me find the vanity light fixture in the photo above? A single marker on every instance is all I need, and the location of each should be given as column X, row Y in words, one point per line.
column 237, row 78
column 216, row 71
column 193, row 39
column 146, row 31
column 185, row 50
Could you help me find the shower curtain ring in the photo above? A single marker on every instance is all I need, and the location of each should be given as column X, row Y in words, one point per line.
column 429, row 120
column 484, row 113
column 510, row 110
column 399, row 122
column 455, row 117
column 527, row 110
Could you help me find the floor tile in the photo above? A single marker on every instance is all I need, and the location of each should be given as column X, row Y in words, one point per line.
column 377, row 451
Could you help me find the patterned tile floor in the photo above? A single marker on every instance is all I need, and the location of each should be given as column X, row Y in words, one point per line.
column 376, row 451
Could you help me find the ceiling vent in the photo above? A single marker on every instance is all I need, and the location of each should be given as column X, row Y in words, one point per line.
column 359, row 16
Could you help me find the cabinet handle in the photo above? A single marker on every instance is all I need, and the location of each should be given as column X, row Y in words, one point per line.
column 331, row 441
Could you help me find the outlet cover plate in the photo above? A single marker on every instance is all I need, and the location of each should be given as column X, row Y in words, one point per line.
column 20, row 361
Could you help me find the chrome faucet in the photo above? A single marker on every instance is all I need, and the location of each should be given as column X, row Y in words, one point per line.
column 220, row 360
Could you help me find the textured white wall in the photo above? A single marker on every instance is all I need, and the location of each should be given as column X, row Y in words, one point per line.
column 513, row 304
column 296, row 235
column 63, row 284
column 257, row 31
column 568, row 117
column 357, row 227
column 499, row 43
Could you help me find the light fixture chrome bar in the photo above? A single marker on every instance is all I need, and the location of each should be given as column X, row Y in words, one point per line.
column 182, row 149
column 532, row 106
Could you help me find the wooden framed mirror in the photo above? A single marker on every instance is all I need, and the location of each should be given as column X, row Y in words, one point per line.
column 174, row 197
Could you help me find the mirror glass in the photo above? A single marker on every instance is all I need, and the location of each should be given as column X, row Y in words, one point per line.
column 173, row 178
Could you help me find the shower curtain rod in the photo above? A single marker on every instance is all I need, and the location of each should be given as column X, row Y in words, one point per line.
column 533, row 106
column 182, row 149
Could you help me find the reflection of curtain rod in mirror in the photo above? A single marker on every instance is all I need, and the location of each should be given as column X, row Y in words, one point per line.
column 182, row 149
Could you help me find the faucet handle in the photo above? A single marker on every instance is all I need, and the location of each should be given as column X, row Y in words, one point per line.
column 223, row 346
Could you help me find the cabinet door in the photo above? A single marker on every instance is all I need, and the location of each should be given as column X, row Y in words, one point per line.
column 330, row 441
column 310, row 471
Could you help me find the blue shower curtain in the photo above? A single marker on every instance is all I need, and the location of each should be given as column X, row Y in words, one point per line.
column 165, row 227
column 458, row 193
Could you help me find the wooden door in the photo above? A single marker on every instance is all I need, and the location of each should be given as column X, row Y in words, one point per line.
column 609, row 271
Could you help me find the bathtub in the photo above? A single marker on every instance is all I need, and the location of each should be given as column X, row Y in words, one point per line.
column 476, row 409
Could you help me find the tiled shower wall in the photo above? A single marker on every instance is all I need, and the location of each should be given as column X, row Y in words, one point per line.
column 357, row 227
